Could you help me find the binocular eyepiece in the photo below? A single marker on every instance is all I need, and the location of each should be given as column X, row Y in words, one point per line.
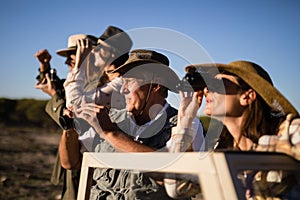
column 192, row 81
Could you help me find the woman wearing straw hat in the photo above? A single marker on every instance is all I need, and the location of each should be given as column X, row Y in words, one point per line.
column 242, row 96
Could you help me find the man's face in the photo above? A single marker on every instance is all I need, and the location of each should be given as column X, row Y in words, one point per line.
column 71, row 60
column 135, row 91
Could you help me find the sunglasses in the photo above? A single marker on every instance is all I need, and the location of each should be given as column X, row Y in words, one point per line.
column 223, row 86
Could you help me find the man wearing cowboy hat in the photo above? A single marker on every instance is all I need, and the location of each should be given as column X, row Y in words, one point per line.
column 144, row 125
column 55, row 107
column 56, row 104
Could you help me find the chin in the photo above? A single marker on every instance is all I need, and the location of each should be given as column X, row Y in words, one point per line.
column 207, row 111
column 129, row 109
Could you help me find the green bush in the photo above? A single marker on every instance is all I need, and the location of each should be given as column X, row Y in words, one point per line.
column 7, row 107
column 25, row 112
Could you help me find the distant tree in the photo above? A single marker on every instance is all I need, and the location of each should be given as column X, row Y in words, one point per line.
column 7, row 107
column 25, row 112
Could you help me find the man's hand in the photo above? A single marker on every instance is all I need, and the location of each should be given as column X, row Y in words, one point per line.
column 84, row 47
column 48, row 87
column 44, row 58
column 95, row 115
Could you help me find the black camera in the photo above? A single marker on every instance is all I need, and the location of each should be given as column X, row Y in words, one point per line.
column 192, row 81
column 68, row 123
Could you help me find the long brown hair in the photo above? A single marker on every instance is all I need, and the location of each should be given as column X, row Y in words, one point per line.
column 260, row 118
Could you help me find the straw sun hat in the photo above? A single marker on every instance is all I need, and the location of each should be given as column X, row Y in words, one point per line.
column 257, row 78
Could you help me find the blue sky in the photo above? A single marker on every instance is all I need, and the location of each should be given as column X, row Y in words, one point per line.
column 264, row 31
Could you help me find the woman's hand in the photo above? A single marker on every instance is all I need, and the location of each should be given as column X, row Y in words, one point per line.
column 189, row 105
column 84, row 47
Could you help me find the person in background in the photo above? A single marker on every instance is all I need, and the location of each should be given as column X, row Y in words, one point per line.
column 242, row 96
column 110, row 53
column 51, row 84
column 82, row 81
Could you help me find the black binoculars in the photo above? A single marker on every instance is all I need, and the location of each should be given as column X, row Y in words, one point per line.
column 192, row 81
column 68, row 123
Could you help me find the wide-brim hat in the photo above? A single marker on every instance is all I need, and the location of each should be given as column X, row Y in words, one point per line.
column 150, row 61
column 256, row 77
column 72, row 40
column 116, row 38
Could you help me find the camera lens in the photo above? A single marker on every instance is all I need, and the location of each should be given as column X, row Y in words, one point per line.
column 52, row 74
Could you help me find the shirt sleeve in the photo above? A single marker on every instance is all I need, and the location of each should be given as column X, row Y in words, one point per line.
column 82, row 84
column 199, row 141
column 54, row 107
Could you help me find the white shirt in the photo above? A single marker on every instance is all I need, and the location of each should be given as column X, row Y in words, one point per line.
column 198, row 136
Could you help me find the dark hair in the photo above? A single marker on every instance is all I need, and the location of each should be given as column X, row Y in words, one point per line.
column 163, row 91
column 259, row 119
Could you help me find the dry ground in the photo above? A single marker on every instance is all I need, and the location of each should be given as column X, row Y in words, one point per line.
column 26, row 161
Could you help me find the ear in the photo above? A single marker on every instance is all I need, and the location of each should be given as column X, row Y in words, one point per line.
column 247, row 97
column 155, row 88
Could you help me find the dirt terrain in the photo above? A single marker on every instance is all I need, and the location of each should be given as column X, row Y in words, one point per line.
column 26, row 161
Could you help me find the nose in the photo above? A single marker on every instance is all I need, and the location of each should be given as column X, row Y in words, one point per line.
column 68, row 61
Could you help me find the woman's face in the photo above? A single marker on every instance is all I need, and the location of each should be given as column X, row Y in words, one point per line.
column 224, row 101
column 102, row 54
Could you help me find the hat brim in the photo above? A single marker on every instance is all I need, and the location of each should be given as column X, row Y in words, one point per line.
column 115, row 50
column 130, row 65
column 65, row 52
column 134, row 67
column 264, row 88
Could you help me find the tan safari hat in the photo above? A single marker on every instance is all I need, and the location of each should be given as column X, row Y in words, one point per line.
column 151, row 61
column 72, row 43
